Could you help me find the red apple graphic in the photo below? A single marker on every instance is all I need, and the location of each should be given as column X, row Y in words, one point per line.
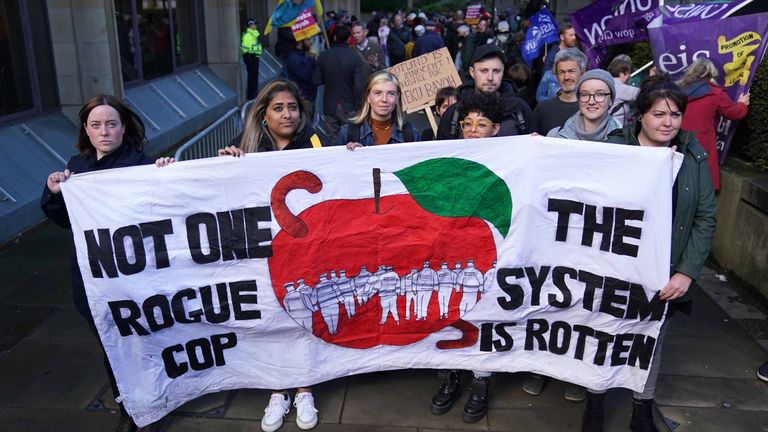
column 445, row 218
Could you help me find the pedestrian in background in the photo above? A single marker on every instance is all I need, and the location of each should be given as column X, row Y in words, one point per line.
column 707, row 100
column 250, row 47
column 341, row 70
column 570, row 64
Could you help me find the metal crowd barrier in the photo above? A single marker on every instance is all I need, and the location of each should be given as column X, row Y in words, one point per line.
column 208, row 141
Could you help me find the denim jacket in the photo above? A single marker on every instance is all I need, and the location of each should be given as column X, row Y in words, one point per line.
column 366, row 134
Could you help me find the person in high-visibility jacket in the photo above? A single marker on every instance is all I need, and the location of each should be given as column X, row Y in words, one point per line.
column 250, row 47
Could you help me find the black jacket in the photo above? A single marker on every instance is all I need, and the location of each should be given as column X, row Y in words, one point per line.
column 514, row 107
column 55, row 208
column 341, row 69
column 302, row 139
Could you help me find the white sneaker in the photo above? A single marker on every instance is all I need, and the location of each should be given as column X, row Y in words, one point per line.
column 278, row 407
column 306, row 413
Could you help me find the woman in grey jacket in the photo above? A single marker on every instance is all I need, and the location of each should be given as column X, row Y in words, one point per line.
column 592, row 122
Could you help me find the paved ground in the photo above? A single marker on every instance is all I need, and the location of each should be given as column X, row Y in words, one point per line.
column 51, row 378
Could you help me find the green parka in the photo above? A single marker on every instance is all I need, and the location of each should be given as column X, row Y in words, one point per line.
column 695, row 218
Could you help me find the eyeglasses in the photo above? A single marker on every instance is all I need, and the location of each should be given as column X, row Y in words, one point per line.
column 482, row 125
column 599, row 97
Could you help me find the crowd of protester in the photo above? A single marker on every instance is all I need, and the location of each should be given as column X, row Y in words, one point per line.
column 501, row 96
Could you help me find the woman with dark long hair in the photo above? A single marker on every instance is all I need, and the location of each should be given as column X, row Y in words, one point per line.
column 110, row 136
column 660, row 106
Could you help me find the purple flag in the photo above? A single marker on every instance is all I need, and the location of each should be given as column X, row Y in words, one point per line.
column 594, row 25
column 735, row 45
column 703, row 11
column 631, row 18
column 588, row 22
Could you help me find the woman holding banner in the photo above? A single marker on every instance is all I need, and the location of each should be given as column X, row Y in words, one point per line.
column 380, row 120
column 110, row 136
column 278, row 120
column 660, row 106
column 480, row 116
column 707, row 101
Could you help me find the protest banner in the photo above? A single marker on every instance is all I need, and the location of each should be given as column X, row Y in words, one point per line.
column 736, row 46
column 543, row 30
column 593, row 25
column 286, row 269
column 304, row 26
column 472, row 16
column 422, row 77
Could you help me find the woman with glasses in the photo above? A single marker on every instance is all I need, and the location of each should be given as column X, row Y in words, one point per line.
column 595, row 92
column 480, row 117
column 380, row 120
column 660, row 106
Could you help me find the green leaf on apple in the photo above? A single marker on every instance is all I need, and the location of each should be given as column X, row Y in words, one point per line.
column 454, row 187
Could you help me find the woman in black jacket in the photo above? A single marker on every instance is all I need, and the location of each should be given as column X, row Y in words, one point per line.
column 110, row 136
column 278, row 121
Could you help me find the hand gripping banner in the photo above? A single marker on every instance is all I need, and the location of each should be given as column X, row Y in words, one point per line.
column 287, row 269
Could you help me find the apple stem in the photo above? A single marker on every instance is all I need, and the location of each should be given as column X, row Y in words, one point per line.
column 376, row 187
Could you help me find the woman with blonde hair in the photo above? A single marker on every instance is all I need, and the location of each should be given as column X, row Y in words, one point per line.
column 707, row 100
column 380, row 120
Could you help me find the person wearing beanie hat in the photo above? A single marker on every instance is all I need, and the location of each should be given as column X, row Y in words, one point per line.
column 593, row 122
column 419, row 30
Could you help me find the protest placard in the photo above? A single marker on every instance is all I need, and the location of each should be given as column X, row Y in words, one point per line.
column 472, row 16
column 305, row 26
column 500, row 254
column 422, row 77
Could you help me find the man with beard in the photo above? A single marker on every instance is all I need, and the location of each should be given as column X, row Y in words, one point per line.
column 570, row 64
column 567, row 40
column 487, row 71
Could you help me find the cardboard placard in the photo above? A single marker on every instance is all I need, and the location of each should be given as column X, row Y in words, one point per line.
column 422, row 77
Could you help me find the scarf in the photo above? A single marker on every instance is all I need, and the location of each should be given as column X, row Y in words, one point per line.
column 607, row 124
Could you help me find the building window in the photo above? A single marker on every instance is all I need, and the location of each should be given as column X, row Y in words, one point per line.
column 157, row 37
column 27, row 75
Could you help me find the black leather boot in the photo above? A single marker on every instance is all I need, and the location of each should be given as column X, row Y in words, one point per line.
column 449, row 391
column 642, row 416
column 592, row 420
column 125, row 424
column 477, row 404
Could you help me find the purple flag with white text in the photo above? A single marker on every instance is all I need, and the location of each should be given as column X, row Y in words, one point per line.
column 735, row 45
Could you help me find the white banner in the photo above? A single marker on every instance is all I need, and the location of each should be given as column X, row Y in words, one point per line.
column 503, row 254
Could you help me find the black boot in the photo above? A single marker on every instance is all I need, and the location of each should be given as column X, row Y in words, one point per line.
column 477, row 404
column 642, row 416
column 592, row 420
column 449, row 391
column 125, row 424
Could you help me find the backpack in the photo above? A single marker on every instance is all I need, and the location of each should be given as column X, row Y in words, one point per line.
column 353, row 132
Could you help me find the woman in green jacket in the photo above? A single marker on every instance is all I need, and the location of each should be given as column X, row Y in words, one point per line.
column 661, row 105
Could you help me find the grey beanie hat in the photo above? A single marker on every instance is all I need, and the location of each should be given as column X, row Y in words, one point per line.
column 598, row 74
